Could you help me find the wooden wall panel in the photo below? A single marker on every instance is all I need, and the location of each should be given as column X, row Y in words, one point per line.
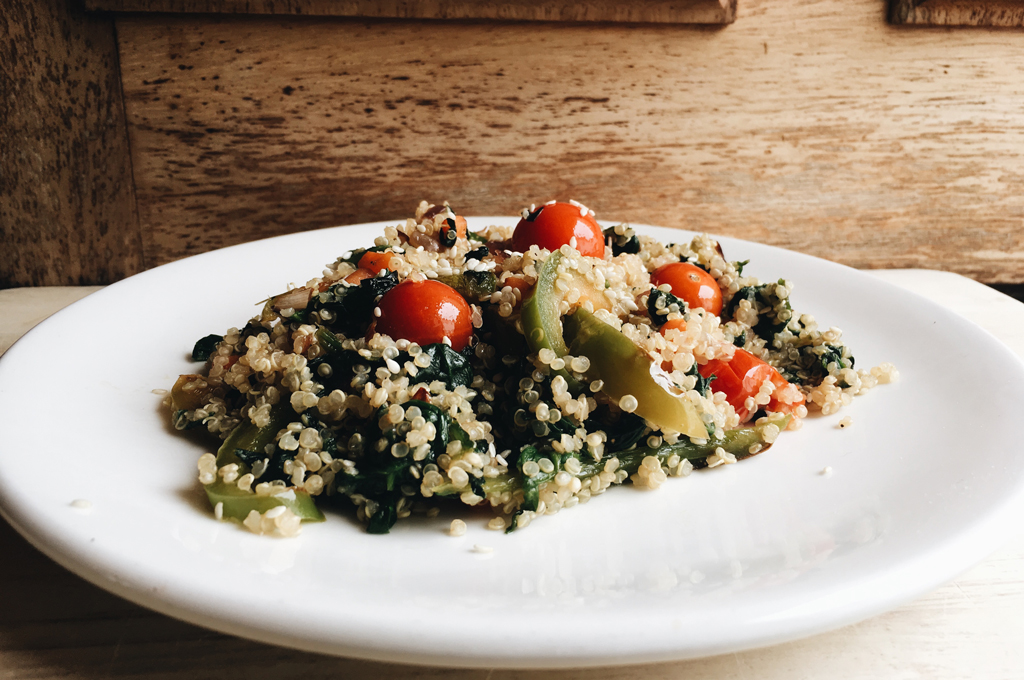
column 67, row 207
column 1003, row 13
column 811, row 125
column 656, row 11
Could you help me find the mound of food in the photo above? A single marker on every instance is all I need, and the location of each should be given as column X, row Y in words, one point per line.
column 526, row 369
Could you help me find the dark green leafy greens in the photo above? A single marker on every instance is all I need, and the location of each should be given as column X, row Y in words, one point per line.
column 446, row 365
column 703, row 385
column 380, row 476
column 660, row 303
column 351, row 307
column 470, row 284
column 627, row 242
column 204, row 347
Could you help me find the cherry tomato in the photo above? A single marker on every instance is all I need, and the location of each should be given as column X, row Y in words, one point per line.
column 741, row 378
column 517, row 283
column 691, row 284
column 375, row 262
column 425, row 312
column 778, row 406
column 679, row 324
column 554, row 225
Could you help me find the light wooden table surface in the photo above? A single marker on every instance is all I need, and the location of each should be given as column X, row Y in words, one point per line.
column 55, row 625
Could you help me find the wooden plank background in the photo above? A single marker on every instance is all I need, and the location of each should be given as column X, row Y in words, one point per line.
column 67, row 207
column 814, row 125
column 1003, row 13
column 811, row 125
column 658, row 11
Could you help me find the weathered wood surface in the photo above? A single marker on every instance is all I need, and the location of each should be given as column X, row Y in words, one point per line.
column 67, row 207
column 811, row 125
column 649, row 11
column 55, row 626
column 1003, row 13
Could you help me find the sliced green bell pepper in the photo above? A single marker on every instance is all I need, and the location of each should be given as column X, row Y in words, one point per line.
column 541, row 316
column 625, row 369
column 237, row 502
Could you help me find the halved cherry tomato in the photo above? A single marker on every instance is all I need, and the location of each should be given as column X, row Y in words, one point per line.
column 741, row 378
column 375, row 262
column 691, row 284
column 553, row 225
column 778, row 406
column 425, row 312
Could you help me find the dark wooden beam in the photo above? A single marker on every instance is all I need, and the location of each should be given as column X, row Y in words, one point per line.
column 643, row 11
column 67, row 214
column 1005, row 13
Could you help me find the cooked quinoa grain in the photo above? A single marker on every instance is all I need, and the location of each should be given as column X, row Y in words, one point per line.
column 549, row 377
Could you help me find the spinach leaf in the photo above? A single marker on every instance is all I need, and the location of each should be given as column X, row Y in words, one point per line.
column 703, row 385
column 478, row 253
column 385, row 517
column 624, row 433
column 352, row 306
column 531, row 485
column 660, row 303
column 740, row 339
column 471, row 285
column 181, row 421
column 442, row 425
column 456, row 433
column 763, row 299
column 749, row 293
column 204, row 347
column 833, row 354
column 473, row 236
column 627, row 242
column 381, row 476
column 446, row 365
column 513, row 522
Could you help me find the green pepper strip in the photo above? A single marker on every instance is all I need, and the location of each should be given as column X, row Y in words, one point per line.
column 541, row 319
column 237, row 502
column 736, row 442
column 329, row 341
column 625, row 369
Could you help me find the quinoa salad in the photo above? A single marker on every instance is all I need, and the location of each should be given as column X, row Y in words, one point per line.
column 518, row 371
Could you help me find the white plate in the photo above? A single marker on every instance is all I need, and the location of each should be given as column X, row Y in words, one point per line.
column 924, row 485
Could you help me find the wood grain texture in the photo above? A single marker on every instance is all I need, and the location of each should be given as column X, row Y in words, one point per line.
column 67, row 214
column 815, row 126
column 647, row 11
column 1005, row 13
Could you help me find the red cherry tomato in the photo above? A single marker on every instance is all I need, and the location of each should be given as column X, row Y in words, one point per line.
column 425, row 312
column 691, row 284
column 741, row 378
column 554, row 225
column 674, row 324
